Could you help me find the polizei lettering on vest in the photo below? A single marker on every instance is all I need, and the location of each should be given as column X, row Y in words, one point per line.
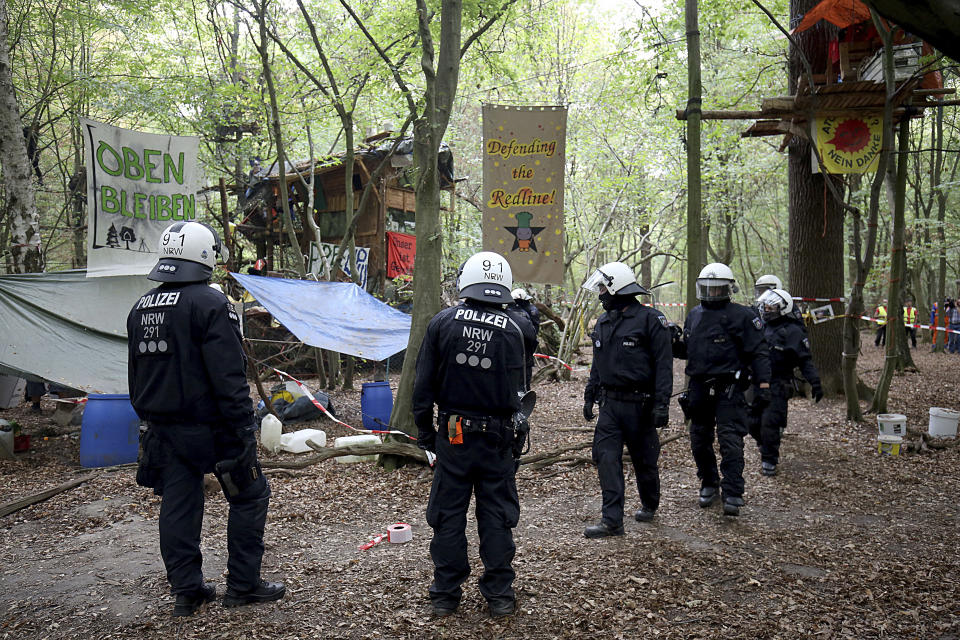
column 482, row 316
column 162, row 299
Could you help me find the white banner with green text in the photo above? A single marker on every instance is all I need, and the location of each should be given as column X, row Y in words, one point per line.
column 523, row 165
column 137, row 185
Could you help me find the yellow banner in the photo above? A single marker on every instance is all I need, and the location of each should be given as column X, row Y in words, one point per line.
column 523, row 165
column 850, row 145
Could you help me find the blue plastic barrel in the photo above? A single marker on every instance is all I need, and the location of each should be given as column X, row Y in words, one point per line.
column 109, row 432
column 376, row 403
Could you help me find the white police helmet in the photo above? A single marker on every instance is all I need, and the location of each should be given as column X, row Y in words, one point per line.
column 520, row 294
column 615, row 277
column 775, row 303
column 716, row 283
column 188, row 252
column 765, row 283
column 486, row 276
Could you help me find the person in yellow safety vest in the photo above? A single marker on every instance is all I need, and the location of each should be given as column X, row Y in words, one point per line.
column 910, row 319
column 880, row 313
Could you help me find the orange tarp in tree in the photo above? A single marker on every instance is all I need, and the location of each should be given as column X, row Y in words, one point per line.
column 842, row 13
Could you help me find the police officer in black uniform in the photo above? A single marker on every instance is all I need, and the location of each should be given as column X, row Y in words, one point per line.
column 523, row 304
column 789, row 349
column 187, row 376
column 721, row 340
column 632, row 379
column 471, row 366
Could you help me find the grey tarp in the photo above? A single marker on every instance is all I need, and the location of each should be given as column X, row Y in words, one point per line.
column 64, row 327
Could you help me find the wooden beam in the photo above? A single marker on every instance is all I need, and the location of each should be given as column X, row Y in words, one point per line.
column 723, row 115
column 933, row 92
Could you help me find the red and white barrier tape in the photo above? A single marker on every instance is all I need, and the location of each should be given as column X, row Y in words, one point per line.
column 318, row 405
column 546, row 357
column 915, row 326
column 802, row 299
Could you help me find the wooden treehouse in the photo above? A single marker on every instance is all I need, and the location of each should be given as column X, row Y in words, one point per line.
column 849, row 87
column 390, row 207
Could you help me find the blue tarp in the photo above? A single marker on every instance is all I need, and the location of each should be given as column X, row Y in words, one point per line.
column 339, row 316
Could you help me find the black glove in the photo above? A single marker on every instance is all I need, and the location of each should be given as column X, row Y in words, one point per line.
column 588, row 410
column 761, row 400
column 661, row 415
column 817, row 392
column 676, row 333
column 427, row 440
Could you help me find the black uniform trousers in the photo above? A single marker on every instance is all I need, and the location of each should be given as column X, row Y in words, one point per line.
column 767, row 429
column 188, row 452
column 483, row 465
column 626, row 423
column 720, row 408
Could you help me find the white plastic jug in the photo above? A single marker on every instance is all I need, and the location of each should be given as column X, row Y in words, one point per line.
column 346, row 441
column 270, row 432
column 296, row 442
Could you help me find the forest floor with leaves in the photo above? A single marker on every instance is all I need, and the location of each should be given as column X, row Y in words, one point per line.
column 844, row 542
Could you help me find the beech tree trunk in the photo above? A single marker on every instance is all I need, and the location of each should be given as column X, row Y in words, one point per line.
column 428, row 131
column 816, row 219
column 21, row 205
column 694, row 223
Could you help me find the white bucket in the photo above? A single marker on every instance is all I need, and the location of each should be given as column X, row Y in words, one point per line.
column 892, row 424
column 346, row 441
column 889, row 445
column 943, row 422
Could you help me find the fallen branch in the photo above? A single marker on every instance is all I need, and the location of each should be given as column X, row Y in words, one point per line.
column 325, row 453
column 21, row 503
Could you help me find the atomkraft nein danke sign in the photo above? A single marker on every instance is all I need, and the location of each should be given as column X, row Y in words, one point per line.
column 849, row 144
column 523, row 170
column 137, row 185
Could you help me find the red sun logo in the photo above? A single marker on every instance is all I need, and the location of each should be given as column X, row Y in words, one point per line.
column 851, row 136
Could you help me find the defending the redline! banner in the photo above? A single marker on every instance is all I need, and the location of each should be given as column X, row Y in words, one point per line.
column 137, row 185
column 523, row 168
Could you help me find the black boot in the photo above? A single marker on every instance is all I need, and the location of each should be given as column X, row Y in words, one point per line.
column 502, row 608
column 707, row 496
column 265, row 592
column 603, row 530
column 645, row 514
column 768, row 468
column 187, row 603
column 731, row 505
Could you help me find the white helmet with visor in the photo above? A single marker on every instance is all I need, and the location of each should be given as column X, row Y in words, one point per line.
column 716, row 283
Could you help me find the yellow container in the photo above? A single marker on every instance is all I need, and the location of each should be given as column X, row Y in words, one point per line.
column 889, row 445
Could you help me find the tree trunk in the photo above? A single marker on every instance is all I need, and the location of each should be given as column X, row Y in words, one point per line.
column 894, row 355
column 284, row 195
column 21, row 202
column 940, row 341
column 694, row 103
column 816, row 220
column 428, row 131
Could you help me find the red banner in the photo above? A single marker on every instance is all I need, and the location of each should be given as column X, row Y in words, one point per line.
column 401, row 249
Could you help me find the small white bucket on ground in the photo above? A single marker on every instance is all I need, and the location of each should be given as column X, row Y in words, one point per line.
column 889, row 445
column 892, row 424
column 346, row 441
column 943, row 422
